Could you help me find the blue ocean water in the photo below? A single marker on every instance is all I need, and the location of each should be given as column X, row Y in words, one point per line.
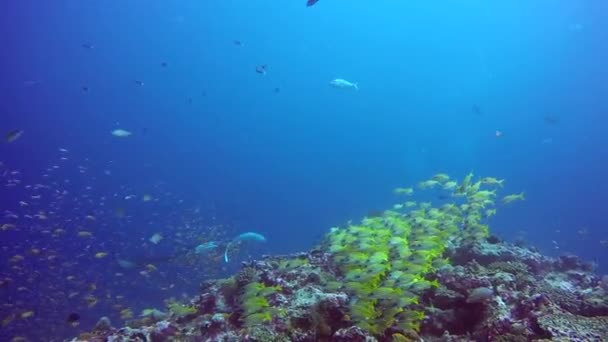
column 511, row 89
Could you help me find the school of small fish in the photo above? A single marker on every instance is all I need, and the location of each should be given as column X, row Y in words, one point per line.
column 72, row 254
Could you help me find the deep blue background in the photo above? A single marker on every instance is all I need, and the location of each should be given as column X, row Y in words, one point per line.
column 292, row 163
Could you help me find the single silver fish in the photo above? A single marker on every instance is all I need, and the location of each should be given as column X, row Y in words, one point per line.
column 121, row 133
column 340, row 83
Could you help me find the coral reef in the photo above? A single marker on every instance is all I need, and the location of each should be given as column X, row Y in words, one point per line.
column 408, row 274
column 501, row 300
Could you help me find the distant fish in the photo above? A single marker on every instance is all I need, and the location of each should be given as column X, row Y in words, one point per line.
column 13, row 135
column 248, row 236
column 340, row 83
column 144, row 261
column 576, row 27
column 499, row 134
column 476, row 110
column 101, row 255
column 156, row 238
column 238, row 42
column 311, row 2
column 127, row 264
column 31, row 83
column 163, row 64
column 87, row 46
column 139, row 83
column 73, row 319
column 121, row 133
column 551, row 120
column 261, row 69
column 205, row 247
column 515, row 197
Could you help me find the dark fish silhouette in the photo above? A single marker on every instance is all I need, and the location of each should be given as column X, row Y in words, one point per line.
column 237, row 42
column 311, row 2
column 73, row 318
column 87, row 46
column 13, row 135
column 261, row 69
column 139, row 83
column 551, row 120
column 477, row 110
column 163, row 64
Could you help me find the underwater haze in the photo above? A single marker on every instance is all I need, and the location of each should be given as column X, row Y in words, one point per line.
column 135, row 131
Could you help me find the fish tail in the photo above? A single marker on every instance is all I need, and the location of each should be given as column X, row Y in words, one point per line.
column 226, row 253
column 356, row 85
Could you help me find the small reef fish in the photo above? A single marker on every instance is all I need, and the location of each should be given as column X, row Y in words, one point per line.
column 512, row 198
column 27, row 314
column 84, row 234
column 153, row 313
column 127, row 264
column 101, row 255
column 492, row 181
column 261, row 69
column 156, row 238
column 441, row 177
column 73, row 319
column 311, row 2
column 13, row 135
column 404, row 191
column 204, row 247
column 121, row 133
column 343, row 84
column 450, row 185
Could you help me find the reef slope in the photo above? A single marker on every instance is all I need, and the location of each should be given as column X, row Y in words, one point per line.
column 490, row 291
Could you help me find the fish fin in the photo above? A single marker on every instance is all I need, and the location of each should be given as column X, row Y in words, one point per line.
column 356, row 85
